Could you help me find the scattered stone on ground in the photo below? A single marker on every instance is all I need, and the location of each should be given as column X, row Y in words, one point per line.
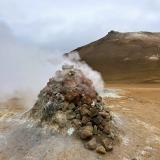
column 92, row 144
column 100, row 149
column 70, row 101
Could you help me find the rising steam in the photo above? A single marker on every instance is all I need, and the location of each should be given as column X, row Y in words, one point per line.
column 93, row 75
column 25, row 69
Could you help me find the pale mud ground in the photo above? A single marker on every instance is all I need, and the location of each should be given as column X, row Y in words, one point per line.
column 136, row 112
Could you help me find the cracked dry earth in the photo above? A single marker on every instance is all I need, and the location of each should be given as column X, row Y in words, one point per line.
column 136, row 112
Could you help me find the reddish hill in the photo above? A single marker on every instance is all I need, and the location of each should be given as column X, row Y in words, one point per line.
column 132, row 57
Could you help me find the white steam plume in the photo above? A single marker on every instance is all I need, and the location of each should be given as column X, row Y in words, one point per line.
column 25, row 69
column 93, row 75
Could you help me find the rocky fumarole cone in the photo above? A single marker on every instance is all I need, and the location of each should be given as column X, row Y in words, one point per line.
column 69, row 102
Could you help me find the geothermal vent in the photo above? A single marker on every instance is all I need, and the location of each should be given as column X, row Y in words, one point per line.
column 70, row 104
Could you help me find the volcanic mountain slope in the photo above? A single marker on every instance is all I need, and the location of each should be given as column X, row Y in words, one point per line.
column 132, row 57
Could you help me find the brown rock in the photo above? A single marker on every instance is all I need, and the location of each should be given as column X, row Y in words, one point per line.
column 107, row 144
column 77, row 123
column 97, row 120
column 71, row 106
column 65, row 106
column 109, row 148
column 84, row 111
column 71, row 94
column 86, row 106
column 85, row 119
column 104, row 114
column 108, row 118
column 86, row 99
column 104, row 122
column 94, row 111
column 92, row 144
column 99, row 99
column 100, row 149
column 99, row 106
column 107, row 109
column 70, row 115
column 76, row 111
column 86, row 132
column 78, row 116
column 60, row 118
column 111, row 135
column 101, row 127
column 107, row 129
column 99, row 132
column 89, row 124
column 79, row 103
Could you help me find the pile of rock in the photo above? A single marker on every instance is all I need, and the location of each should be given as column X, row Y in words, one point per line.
column 70, row 102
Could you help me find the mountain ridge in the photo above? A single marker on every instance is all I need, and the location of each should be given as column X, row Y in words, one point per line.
column 130, row 57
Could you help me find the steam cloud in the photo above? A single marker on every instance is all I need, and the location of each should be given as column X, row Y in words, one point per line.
column 87, row 70
column 25, row 69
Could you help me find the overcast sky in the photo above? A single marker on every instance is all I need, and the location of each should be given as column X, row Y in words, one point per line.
column 34, row 33
column 66, row 24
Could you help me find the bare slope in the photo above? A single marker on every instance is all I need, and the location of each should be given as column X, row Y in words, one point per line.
column 132, row 57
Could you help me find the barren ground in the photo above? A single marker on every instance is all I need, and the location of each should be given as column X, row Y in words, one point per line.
column 139, row 112
column 136, row 114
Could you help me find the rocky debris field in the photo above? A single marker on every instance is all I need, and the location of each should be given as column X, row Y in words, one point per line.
column 70, row 104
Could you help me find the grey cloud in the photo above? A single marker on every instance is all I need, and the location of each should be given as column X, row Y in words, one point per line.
column 65, row 25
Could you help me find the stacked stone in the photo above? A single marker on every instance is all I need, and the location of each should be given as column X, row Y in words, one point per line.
column 69, row 99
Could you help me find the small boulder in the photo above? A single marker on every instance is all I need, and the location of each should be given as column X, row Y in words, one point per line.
column 97, row 120
column 86, row 132
column 70, row 115
column 99, row 99
column 104, row 114
column 111, row 135
column 100, row 149
column 84, row 111
column 77, row 123
column 107, row 129
column 86, row 99
column 65, row 106
column 78, row 116
column 60, row 119
column 107, row 144
column 94, row 112
column 109, row 148
column 92, row 144
column 71, row 106
column 89, row 124
column 85, row 119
